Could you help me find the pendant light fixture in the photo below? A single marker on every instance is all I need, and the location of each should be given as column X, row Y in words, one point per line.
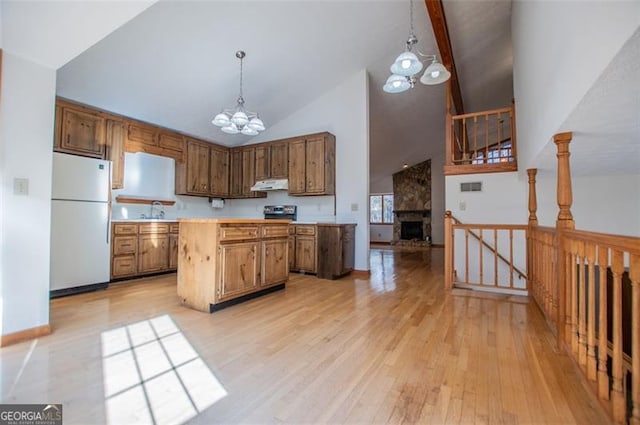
column 407, row 65
column 238, row 119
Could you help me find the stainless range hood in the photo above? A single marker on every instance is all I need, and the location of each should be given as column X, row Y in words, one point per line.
column 275, row 184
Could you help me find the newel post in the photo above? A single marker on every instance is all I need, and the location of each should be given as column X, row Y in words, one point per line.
column 533, row 221
column 448, row 134
column 533, row 200
column 564, row 221
column 448, row 251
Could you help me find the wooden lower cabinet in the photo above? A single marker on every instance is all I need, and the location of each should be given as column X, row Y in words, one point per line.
column 223, row 259
column 239, row 269
column 275, row 263
column 303, row 247
column 138, row 248
column 153, row 253
column 336, row 250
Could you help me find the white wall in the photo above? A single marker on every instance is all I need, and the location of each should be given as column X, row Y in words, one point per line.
column 560, row 49
column 343, row 111
column 606, row 204
column 26, row 131
column 381, row 232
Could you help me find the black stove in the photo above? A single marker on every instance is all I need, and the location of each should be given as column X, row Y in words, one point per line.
column 280, row 211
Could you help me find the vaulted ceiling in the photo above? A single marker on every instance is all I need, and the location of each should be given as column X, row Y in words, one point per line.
column 174, row 65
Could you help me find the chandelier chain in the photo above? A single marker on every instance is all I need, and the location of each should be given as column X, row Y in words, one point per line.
column 241, row 79
column 411, row 15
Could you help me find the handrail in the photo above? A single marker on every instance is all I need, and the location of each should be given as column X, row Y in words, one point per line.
column 470, row 228
column 630, row 244
column 479, row 114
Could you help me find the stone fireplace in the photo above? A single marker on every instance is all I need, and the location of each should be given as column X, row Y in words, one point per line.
column 412, row 205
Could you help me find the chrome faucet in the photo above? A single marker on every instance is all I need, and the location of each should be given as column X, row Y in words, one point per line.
column 160, row 213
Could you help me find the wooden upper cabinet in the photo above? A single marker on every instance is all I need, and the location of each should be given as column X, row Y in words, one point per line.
column 279, row 160
column 312, row 165
column 197, row 168
column 219, row 171
column 142, row 137
column 141, row 134
column 262, row 158
column 82, row 133
column 248, row 170
column 173, row 142
column 116, row 133
column 235, row 173
column 57, row 130
column 297, row 160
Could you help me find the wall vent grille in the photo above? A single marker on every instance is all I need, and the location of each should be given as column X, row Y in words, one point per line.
column 471, row 187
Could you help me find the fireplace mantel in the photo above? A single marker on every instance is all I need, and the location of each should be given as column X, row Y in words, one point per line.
column 399, row 212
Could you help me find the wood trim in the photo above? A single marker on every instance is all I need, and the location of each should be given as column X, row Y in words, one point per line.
column 140, row 200
column 435, row 11
column 500, row 167
column 506, row 110
column 24, row 335
column 360, row 274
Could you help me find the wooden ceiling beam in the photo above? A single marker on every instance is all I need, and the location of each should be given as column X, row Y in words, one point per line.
column 441, row 33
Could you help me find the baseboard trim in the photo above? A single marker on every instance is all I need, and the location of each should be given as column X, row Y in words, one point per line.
column 364, row 274
column 24, row 335
column 437, row 245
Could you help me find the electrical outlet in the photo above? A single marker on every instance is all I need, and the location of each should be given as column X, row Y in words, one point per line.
column 20, row 186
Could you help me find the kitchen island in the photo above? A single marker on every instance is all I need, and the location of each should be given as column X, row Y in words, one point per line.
column 225, row 261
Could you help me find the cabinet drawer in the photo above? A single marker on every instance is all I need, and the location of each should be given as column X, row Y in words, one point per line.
column 125, row 229
column 305, row 229
column 174, row 228
column 235, row 233
column 124, row 266
column 275, row 231
column 124, row 245
column 147, row 228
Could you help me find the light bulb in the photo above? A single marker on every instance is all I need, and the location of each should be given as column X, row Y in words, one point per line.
column 396, row 83
column 435, row 74
column 406, row 63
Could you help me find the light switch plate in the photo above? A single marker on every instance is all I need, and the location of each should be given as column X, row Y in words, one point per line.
column 463, row 205
column 354, row 207
column 20, row 186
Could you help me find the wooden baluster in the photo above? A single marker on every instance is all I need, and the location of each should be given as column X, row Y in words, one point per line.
column 466, row 255
column 511, row 258
column 553, row 288
column 617, row 389
column 448, row 251
column 568, row 299
column 590, row 251
column 486, row 138
column 475, row 136
column 499, row 134
column 495, row 256
column 582, row 308
column 603, row 375
column 465, row 153
column 634, row 276
column 481, row 259
column 574, row 303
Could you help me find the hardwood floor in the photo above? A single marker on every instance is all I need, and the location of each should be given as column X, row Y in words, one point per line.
column 394, row 348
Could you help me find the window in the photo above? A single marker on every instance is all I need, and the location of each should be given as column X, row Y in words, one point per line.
column 494, row 155
column 381, row 209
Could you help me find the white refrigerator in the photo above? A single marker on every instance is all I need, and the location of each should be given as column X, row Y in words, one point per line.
column 80, row 239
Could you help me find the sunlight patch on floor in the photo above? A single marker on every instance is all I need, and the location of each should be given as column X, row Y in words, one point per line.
column 152, row 375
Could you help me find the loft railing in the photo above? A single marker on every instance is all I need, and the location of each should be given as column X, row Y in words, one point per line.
column 480, row 142
column 485, row 256
column 587, row 285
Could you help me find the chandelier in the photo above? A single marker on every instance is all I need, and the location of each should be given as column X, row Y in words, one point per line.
column 407, row 66
column 238, row 119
